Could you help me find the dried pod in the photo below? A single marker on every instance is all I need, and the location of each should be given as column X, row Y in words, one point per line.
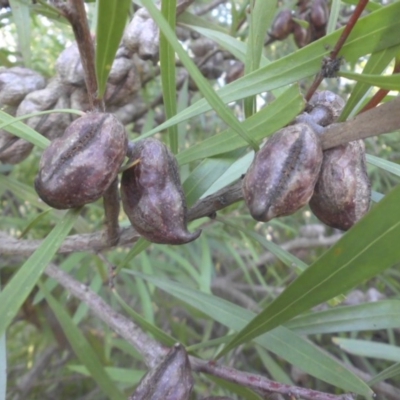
column 13, row 150
column 319, row 14
column 302, row 36
column 325, row 107
column 282, row 26
column 282, row 176
column 142, row 36
column 123, row 82
column 69, row 66
column 343, row 191
column 78, row 167
column 16, row 83
column 170, row 380
column 55, row 95
column 152, row 194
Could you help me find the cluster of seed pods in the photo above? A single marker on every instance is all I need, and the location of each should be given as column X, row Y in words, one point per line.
column 314, row 13
column 291, row 170
column 80, row 166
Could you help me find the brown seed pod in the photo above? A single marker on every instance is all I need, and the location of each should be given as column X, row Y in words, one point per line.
column 282, row 176
column 142, row 36
column 152, row 194
column 319, row 14
column 282, row 26
column 78, row 167
column 13, row 150
column 16, row 83
column 69, row 66
column 302, row 36
column 343, row 191
column 170, row 380
column 325, row 107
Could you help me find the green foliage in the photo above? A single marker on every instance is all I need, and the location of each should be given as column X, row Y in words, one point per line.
column 262, row 290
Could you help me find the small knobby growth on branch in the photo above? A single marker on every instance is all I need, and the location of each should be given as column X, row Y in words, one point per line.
column 314, row 157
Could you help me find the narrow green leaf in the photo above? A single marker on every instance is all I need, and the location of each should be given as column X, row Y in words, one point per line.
column 333, row 16
column 111, row 19
column 371, row 34
column 138, row 247
column 168, row 72
column 363, row 317
column 367, row 249
column 384, row 164
column 23, row 131
column 158, row 333
column 389, row 82
column 233, row 45
column 391, row 372
column 262, row 124
column 122, row 375
column 377, row 62
column 22, row 20
column 280, row 341
column 366, row 348
column 261, row 15
column 22, row 283
column 83, row 350
column 288, row 259
column 202, row 83
column 203, row 176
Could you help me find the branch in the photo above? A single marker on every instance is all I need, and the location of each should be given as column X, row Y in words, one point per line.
column 152, row 351
column 382, row 119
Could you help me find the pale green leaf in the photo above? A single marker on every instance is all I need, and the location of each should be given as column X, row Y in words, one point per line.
column 363, row 252
column 280, row 341
column 24, row 280
column 112, row 16
column 83, row 350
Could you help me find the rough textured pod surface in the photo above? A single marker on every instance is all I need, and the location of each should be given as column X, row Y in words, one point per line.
column 169, row 380
column 152, row 194
column 282, row 176
column 325, row 107
column 343, row 191
column 78, row 167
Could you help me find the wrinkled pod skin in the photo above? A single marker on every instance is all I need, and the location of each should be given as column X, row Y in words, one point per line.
column 343, row 191
column 152, row 195
column 78, row 167
column 282, row 176
column 169, row 380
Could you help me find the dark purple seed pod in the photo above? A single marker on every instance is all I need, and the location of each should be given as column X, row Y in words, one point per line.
column 319, row 14
column 282, row 26
column 78, row 167
column 282, row 176
column 325, row 107
column 170, row 380
column 152, row 195
column 343, row 191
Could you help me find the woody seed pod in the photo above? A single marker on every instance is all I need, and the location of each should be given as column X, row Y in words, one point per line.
column 152, row 194
column 78, row 167
column 282, row 26
column 169, row 380
column 342, row 193
column 282, row 176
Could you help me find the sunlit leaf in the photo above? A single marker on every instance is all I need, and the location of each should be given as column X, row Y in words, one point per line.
column 111, row 19
column 365, row 251
column 22, row 283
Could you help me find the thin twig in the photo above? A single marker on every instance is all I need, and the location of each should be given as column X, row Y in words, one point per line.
column 382, row 119
column 111, row 212
column 150, row 349
column 74, row 12
column 334, row 53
